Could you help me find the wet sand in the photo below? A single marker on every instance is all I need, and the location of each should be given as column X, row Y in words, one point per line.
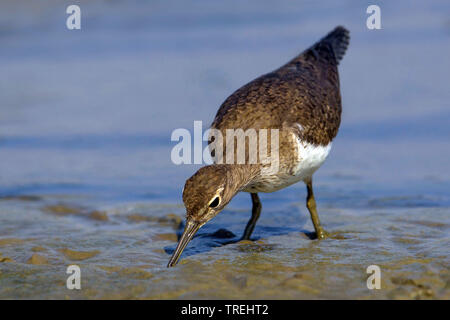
column 124, row 257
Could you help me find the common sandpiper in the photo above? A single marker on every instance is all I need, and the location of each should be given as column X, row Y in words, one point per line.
column 302, row 100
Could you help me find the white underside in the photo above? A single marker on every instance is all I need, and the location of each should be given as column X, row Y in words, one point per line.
column 310, row 158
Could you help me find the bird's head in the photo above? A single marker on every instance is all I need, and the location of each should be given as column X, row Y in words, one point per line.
column 205, row 194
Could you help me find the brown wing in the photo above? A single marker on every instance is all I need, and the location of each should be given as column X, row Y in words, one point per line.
column 303, row 92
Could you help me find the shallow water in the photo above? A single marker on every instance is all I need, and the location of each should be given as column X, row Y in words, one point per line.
column 86, row 176
column 122, row 252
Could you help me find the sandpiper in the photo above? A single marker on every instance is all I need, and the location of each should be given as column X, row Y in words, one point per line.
column 301, row 99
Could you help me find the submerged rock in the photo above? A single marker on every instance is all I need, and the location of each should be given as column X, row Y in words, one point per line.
column 136, row 217
column 99, row 215
column 10, row 241
column 37, row 259
column 5, row 259
column 135, row 272
column 78, row 255
column 38, row 249
column 66, row 210
column 62, row 210
column 167, row 236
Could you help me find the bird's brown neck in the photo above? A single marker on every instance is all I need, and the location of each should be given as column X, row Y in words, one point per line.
column 241, row 175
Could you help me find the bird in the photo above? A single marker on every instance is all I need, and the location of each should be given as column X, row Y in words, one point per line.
column 302, row 101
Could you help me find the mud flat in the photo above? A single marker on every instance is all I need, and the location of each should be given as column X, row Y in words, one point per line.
column 125, row 258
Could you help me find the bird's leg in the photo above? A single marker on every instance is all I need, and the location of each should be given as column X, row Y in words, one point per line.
column 311, row 204
column 256, row 211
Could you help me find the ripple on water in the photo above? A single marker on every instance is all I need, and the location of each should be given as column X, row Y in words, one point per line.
column 126, row 257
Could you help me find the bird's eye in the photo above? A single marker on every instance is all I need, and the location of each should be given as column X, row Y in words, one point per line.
column 214, row 203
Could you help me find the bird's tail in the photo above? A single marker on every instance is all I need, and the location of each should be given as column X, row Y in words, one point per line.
column 335, row 42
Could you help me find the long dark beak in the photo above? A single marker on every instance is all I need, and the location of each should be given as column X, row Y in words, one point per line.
column 189, row 230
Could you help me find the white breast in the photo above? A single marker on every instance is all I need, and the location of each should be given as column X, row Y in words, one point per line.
column 309, row 158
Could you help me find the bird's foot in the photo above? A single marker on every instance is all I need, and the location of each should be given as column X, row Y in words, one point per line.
column 321, row 233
